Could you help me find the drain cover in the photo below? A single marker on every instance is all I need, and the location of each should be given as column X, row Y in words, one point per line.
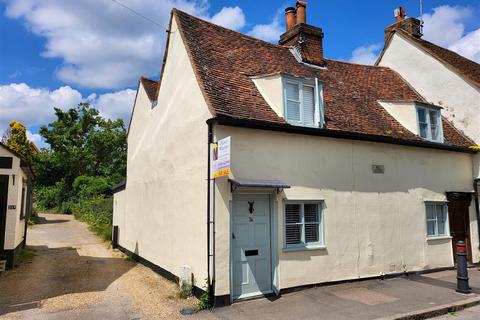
column 187, row 311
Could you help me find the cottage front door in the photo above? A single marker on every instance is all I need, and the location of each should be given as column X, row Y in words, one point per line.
column 3, row 207
column 251, row 252
column 458, row 215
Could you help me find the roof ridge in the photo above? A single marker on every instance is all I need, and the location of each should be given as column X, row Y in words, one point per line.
column 434, row 44
column 176, row 11
column 358, row 64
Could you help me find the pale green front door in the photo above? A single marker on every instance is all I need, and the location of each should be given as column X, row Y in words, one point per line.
column 251, row 246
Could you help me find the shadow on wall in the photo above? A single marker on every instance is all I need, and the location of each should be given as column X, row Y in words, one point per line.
column 56, row 272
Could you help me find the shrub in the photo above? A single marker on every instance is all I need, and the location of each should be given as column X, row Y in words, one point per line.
column 46, row 197
column 86, row 186
column 50, row 197
column 97, row 212
column 204, row 301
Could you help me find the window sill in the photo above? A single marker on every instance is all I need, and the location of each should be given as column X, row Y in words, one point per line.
column 299, row 124
column 304, row 248
column 439, row 238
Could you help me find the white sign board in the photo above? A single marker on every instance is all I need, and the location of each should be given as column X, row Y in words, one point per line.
column 220, row 155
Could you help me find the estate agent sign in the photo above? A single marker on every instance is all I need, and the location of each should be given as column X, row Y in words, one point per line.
column 220, row 155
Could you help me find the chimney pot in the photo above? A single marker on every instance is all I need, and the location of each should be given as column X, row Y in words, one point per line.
column 400, row 13
column 290, row 17
column 301, row 12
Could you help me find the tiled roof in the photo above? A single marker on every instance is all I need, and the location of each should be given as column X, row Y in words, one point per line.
column 225, row 61
column 151, row 87
column 464, row 67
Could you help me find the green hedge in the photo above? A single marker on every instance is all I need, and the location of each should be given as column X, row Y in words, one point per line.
column 61, row 195
column 97, row 212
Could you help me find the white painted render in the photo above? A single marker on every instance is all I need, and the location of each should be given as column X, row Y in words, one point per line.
column 375, row 224
column 437, row 83
column 271, row 89
column 14, row 227
column 403, row 112
column 164, row 215
column 476, row 166
column 119, row 216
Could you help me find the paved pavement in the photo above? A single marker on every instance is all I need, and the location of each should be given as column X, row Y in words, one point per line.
column 393, row 298
column 74, row 275
column 467, row 314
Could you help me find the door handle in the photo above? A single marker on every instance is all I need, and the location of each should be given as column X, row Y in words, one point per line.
column 233, row 236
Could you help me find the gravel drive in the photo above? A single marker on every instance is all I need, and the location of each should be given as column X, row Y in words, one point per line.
column 74, row 275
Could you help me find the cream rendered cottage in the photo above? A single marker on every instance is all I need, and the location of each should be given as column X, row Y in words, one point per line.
column 330, row 177
column 440, row 76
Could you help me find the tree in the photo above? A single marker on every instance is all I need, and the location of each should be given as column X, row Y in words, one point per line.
column 82, row 143
column 16, row 139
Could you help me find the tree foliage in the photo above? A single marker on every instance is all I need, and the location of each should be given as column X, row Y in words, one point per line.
column 82, row 144
column 16, row 139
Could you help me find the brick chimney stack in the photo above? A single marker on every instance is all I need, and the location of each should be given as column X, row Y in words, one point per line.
column 305, row 39
column 411, row 26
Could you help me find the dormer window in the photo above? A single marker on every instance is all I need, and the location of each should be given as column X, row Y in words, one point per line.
column 303, row 102
column 430, row 124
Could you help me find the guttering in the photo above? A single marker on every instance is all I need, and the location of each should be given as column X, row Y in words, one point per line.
column 287, row 128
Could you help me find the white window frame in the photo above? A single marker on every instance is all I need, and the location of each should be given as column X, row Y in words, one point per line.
column 320, row 244
column 447, row 223
column 318, row 90
column 429, row 125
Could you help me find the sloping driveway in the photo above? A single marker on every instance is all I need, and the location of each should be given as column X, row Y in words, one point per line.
column 74, row 275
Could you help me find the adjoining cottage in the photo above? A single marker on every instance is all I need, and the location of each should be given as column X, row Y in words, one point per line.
column 440, row 76
column 15, row 205
column 331, row 176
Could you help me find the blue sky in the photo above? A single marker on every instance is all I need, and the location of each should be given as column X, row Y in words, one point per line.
column 60, row 52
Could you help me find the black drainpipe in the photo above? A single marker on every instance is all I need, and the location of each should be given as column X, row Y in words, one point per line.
column 477, row 205
column 210, row 284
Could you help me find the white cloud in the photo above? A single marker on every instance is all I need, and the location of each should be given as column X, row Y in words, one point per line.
column 36, row 139
column 365, row 54
column 445, row 26
column 269, row 32
column 103, row 45
column 34, row 106
column 116, row 104
column 230, row 17
column 469, row 46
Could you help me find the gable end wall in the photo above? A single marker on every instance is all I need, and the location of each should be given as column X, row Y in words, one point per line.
column 437, row 84
column 161, row 214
